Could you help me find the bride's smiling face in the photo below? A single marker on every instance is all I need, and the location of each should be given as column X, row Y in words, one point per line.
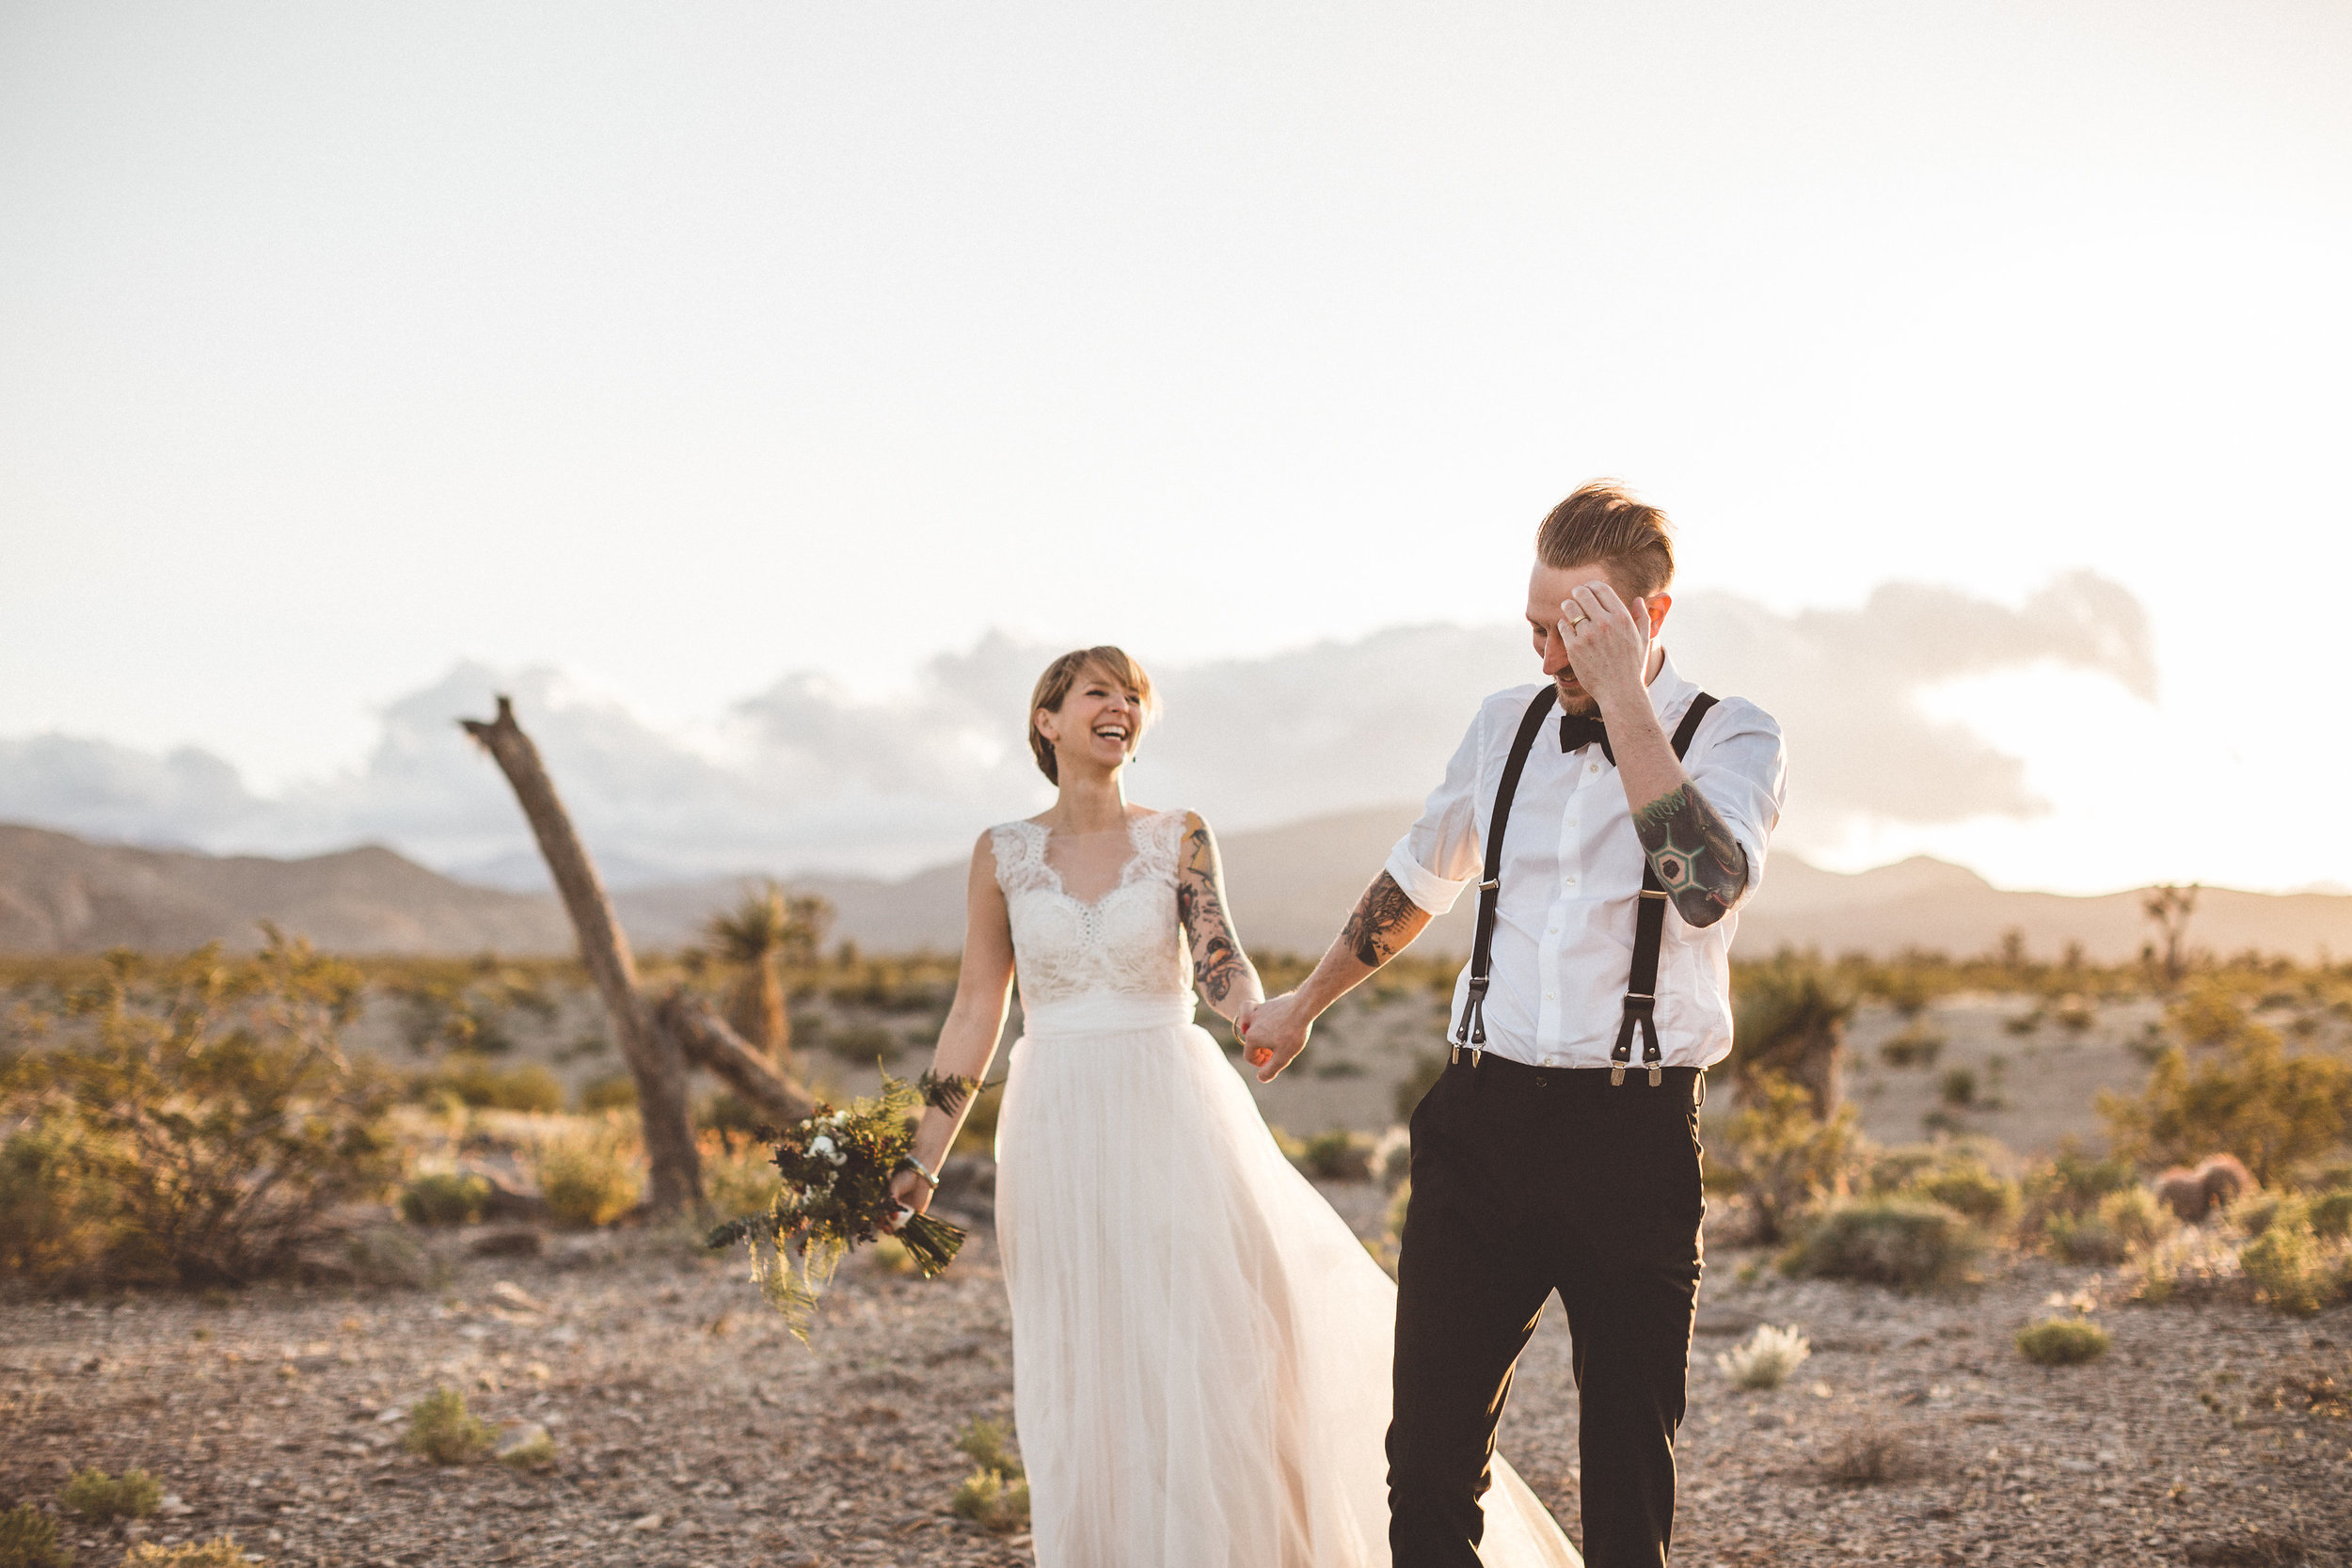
column 1098, row 725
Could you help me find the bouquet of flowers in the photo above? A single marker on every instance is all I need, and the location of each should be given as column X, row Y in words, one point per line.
column 837, row 1166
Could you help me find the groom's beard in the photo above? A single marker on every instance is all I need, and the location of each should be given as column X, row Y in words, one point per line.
column 1575, row 701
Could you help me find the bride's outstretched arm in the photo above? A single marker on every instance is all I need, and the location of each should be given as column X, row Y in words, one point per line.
column 1228, row 980
column 967, row 1042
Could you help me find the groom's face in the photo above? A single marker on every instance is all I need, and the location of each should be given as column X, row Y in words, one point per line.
column 1545, row 590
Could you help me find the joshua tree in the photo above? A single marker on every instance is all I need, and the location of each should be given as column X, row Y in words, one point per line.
column 2169, row 907
column 1792, row 1025
column 766, row 929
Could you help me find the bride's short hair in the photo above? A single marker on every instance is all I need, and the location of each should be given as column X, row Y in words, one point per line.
column 1053, row 689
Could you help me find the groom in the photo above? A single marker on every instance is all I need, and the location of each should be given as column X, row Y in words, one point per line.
column 1558, row 1150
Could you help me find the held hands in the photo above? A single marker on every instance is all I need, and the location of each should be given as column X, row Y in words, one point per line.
column 1608, row 644
column 1274, row 1032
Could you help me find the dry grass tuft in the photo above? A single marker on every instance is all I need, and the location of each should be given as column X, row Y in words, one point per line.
column 1871, row 1455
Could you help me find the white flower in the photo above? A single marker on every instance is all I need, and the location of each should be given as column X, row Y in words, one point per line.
column 821, row 1147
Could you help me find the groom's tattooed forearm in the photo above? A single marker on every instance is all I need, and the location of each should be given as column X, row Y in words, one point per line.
column 1218, row 965
column 1383, row 921
column 1698, row 862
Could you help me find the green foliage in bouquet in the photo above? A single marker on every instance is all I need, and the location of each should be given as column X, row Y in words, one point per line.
column 837, row 1166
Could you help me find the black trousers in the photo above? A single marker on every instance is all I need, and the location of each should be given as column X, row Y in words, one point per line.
column 1526, row 1181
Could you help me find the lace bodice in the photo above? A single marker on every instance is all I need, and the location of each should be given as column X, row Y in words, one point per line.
column 1128, row 942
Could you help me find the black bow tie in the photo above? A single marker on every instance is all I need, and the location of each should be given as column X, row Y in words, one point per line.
column 1576, row 731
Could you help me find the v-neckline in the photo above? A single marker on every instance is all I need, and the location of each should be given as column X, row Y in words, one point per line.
column 1126, row 867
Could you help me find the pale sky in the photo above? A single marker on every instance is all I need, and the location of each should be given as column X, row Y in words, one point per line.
column 682, row 346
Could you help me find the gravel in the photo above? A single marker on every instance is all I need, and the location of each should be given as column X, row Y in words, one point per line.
column 689, row 1429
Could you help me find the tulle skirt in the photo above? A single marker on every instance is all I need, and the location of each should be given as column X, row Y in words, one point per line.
column 1202, row 1347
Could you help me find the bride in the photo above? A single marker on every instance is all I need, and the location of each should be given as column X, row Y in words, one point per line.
column 1201, row 1345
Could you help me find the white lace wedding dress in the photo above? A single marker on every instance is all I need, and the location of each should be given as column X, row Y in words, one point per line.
column 1200, row 1346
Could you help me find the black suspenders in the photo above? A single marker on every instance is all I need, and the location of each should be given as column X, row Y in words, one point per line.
column 1641, row 997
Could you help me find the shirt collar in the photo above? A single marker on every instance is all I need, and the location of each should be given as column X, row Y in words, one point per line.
column 1669, row 693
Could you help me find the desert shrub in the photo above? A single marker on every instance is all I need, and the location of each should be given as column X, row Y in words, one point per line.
column 443, row 1431
column 1765, row 1358
column 2289, row 1269
column 1791, row 1024
column 1904, row 1242
column 1779, row 1157
column 28, row 1539
column 993, row 1501
column 2331, row 1216
column 196, row 1120
column 2136, row 1218
column 2069, row 1187
column 1337, row 1156
column 1957, row 1089
column 2334, row 1177
column 1870, row 1455
column 445, row 1198
column 1428, row 1066
column 740, row 1180
column 94, row 1496
column 2189, row 1265
column 2247, row 1095
column 1914, row 1045
column 59, row 1223
column 588, row 1176
column 476, row 1081
column 2255, row 1212
column 996, row 1496
column 614, row 1091
column 2063, row 1343
column 2085, row 1239
column 476, row 1009
column 1954, row 1175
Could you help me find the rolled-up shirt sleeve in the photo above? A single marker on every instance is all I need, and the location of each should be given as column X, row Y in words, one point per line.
column 1437, row 857
column 1743, row 773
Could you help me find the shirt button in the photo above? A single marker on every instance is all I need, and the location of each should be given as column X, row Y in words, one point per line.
column 1593, row 768
column 1552, row 996
column 1571, row 881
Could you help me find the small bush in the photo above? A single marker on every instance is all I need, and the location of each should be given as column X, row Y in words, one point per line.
column 1870, row 1455
column 479, row 1082
column 1774, row 1153
column 2245, row 1095
column 2063, row 1343
column 1917, row 1046
column 100, row 1498
column 1957, row 1089
column 443, row 1429
column 996, row 1496
column 588, row 1178
column 1906, row 1242
column 1337, row 1156
column 2331, row 1216
column 2087, row 1240
column 615, row 1091
column 740, row 1180
column 993, row 1502
column 2288, row 1267
column 2137, row 1220
column 2070, row 1187
column 1766, row 1359
column 219, row 1552
column 445, row 1198
column 2190, row 1264
column 1954, row 1176
column 2255, row 1212
column 28, row 1539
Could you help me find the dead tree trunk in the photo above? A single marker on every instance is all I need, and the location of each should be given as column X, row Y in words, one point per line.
column 708, row 1041
column 654, row 1059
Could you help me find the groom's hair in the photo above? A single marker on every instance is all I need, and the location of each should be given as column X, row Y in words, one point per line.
column 1053, row 689
column 1605, row 522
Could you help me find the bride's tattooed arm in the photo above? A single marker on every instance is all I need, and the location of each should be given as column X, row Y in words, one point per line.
column 1219, row 967
column 1698, row 862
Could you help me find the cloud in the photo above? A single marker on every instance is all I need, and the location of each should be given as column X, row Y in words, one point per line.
column 806, row 775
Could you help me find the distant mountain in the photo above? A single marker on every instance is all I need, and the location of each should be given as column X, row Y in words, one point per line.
column 60, row 893
column 1290, row 888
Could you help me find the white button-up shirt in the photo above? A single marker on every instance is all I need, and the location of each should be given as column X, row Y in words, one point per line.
column 1572, row 872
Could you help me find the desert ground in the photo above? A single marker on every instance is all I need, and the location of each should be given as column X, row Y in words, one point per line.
column 691, row 1430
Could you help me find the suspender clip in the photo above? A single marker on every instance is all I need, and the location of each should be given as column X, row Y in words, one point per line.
column 1657, row 1075
column 1616, row 1074
column 1657, row 892
column 1490, row 885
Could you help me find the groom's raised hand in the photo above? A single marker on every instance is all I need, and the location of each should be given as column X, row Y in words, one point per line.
column 1274, row 1032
